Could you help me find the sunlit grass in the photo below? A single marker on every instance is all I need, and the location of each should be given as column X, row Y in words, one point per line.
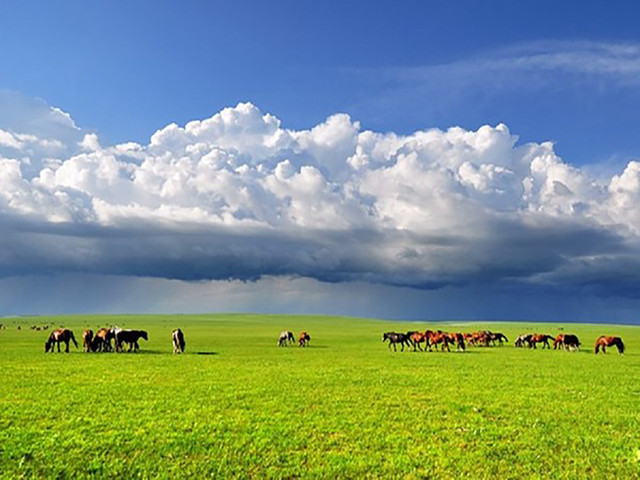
column 237, row 405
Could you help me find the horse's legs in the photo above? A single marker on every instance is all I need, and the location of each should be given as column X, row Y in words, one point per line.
column 58, row 343
column 67, row 344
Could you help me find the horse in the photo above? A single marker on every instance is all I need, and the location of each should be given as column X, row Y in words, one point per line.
column 303, row 340
column 417, row 338
column 608, row 341
column 571, row 342
column 102, row 340
column 395, row 338
column 436, row 338
column 87, row 337
column 498, row 337
column 567, row 341
column 520, row 341
column 131, row 337
column 540, row 338
column 57, row 336
column 285, row 338
column 458, row 339
column 481, row 338
column 178, row 341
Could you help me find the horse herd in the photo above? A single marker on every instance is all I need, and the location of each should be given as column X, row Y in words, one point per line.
column 486, row 338
column 101, row 341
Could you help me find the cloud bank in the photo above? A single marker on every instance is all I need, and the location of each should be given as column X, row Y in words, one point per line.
column 238, row 196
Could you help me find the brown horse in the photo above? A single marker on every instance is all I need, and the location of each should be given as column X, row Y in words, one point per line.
column 417, row 338
column 87, row 337
column 481, row 338
column 458, row 339
column 468, row 338
column 435, row 338
column 540, row 338
column 303, row 340
column 604, row 341
column 57, row 336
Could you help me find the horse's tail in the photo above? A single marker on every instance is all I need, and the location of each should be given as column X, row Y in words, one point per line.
column 73, row 339
column 621, row 346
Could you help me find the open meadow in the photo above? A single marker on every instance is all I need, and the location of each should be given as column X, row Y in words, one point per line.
column 236, row 405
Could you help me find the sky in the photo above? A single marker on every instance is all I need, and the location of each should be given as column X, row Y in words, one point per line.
column 407, row 160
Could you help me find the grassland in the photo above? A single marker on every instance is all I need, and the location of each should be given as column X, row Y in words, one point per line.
column 235, row 405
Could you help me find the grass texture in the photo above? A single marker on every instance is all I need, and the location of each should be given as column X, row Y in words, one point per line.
column 237, row 406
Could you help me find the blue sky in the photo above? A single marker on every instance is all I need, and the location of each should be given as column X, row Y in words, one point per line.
column 127, row 68
column 79, row 79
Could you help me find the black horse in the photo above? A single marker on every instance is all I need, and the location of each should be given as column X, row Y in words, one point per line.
column 131, row 337
column 395, row 338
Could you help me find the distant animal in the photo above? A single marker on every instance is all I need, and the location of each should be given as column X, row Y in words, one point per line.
column 57, row 336
column 178, row 341
column 285, row 338
column 417, row 338
column 102, row 340
column 303, row 340
column 458, row 339
column 540, row 338
column 481, row 338
column 436, row 338
column 521, row 340
column 131, row 337
column 87, row 337
column 604, row 341
column 498, row 337
column 396, row 338
column 567, row 341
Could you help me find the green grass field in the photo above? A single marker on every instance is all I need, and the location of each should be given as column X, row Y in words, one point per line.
column 236, row 405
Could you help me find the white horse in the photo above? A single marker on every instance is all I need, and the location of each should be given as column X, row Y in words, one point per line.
column 285, row 338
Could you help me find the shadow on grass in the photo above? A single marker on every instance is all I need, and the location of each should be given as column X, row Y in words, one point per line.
column 206, row 353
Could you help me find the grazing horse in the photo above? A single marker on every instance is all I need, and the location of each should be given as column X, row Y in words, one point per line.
column 131, row 337
column 436, row 338
column 458, row 339
column 285, row 338
column 102, row 340
column 87, row 337
column 304, row 339
column 567, row 341
column 481, row 338
column 521, row 340
column 498, row 337
column 178, row 341
column 571, row 342
column 608, row 341
column 540, row 338
column 57, row 336
column 395, row 338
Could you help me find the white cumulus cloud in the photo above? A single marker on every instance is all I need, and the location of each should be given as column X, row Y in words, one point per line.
column 240, row 196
